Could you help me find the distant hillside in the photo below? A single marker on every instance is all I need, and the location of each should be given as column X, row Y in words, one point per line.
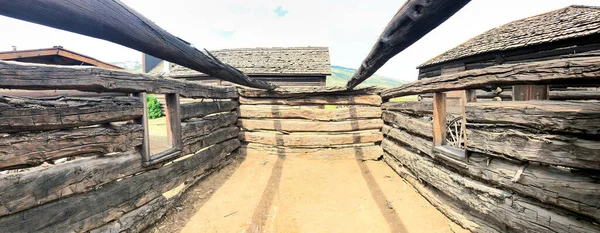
column 341, row 75
column 129, row 65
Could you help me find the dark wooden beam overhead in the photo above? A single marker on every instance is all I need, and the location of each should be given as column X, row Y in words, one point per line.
column 415, row 19
column 113, row 21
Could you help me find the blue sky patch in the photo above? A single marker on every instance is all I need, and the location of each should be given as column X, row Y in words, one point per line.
column 280, row 11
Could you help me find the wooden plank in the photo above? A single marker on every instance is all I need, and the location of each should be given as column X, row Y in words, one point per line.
column 31, row 149
column 530, row 92
column 572, row 70
column 413, row 125
column 575, row 191
column 80, row 213
column 545, row 116
column 453, row 209
column 28, row 189
column 277, row 139
column 419, row 108
column 562, row 150
column 575, row 95
column 519, row 213
column 439, row 119
column 285, row 92
column 202, row 126
column 294, row 125
column 414, row 20
column 309, row 113
column 373, row 100
column 367, row 152
column 192, row 145
column 25, row 114
column 200, row 109
column 145, row 147
column 173, row 115
column 114, row 21
column 17, row 75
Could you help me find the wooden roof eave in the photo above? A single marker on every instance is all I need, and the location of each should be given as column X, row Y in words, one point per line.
column 114, row 21
column 414, row 20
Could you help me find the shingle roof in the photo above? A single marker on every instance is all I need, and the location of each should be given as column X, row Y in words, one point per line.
column 269, row 61
column 566, row 23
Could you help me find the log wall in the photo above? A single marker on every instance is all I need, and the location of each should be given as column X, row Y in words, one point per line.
column 528, row 166
column 313, row 122
column 74, row 164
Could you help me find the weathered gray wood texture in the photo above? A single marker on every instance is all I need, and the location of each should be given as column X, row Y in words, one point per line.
column 30, row 149
column 366, row 152
column 286, row 92
column 279, row 139
column 519, row 213
column 83, row 212
column 16, row 75
column 575, row 71
column 576, row 191
column 114, row 21
column 194, row 128
column 200, row 109
column 293, row 125
column 372, row 100
column 309, row 113
column 25, row 114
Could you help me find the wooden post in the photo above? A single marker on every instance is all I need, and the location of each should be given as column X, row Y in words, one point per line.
column 439, row 119
column 531, row 92
column 173, row 120
column 145, row 147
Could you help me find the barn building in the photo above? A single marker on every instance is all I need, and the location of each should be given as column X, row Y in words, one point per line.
column 290, row 66
column 56, row 55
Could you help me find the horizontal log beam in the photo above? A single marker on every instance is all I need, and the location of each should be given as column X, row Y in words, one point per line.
column 419, row 108
column 413, row 125
column 25, row 114
column 373, row 100
column 520, row 214
column 309, row 126
column 192, row 129
column 547, row 116
column 285, row 92
column 114, row 21
column 192, row 145
column 18, row 75
column 82, row 212
column 200, row 109
column 575, row 191
column 31, row 149
column 325, row 140
column 368, row 152
column 574, row 95
column 573, row 71
column 309, row 113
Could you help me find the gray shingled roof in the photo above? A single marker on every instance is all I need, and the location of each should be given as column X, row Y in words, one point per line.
column 566, row 23
column 269, row 61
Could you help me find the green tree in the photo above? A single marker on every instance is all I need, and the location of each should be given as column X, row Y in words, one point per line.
column 153, row 107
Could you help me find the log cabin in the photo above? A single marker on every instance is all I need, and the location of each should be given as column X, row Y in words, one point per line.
column 289, row 66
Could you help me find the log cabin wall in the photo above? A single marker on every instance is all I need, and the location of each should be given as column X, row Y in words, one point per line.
column 74, row 164
column 314, row 122
column 527, row 166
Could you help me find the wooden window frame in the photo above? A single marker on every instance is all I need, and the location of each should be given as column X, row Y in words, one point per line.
column 173, row 115
column 440, row 145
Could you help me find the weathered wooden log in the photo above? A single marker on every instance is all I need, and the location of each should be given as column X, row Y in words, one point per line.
column 200, row 109
column 202, row 126
column 294, row 125
column 558, row 150
column 25, row 190
column 414, row 125
column 114, row 21
column 17, row 75
column 367, row 152
column 83, row 212
column 277, row 139
column 520, row 214
column 24, row 114
column 453, row 209
column 285, row 92
column 373, row 100
column 30, row 149
column 309, row 113
column 418, row 108
column 547, row 116
column 191, row 145
column 575, row 95
column 573, row 70
column 414, row 20
column 572, row 190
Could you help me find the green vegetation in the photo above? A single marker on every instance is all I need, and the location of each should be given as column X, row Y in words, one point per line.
column 153, row 107
column 341, row 75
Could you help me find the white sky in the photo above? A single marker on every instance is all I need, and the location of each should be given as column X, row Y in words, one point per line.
column 348, row 27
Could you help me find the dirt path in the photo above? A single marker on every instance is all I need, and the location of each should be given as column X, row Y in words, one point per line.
column 271, row 194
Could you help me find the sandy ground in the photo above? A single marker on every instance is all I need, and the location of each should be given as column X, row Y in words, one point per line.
column 273, row 194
